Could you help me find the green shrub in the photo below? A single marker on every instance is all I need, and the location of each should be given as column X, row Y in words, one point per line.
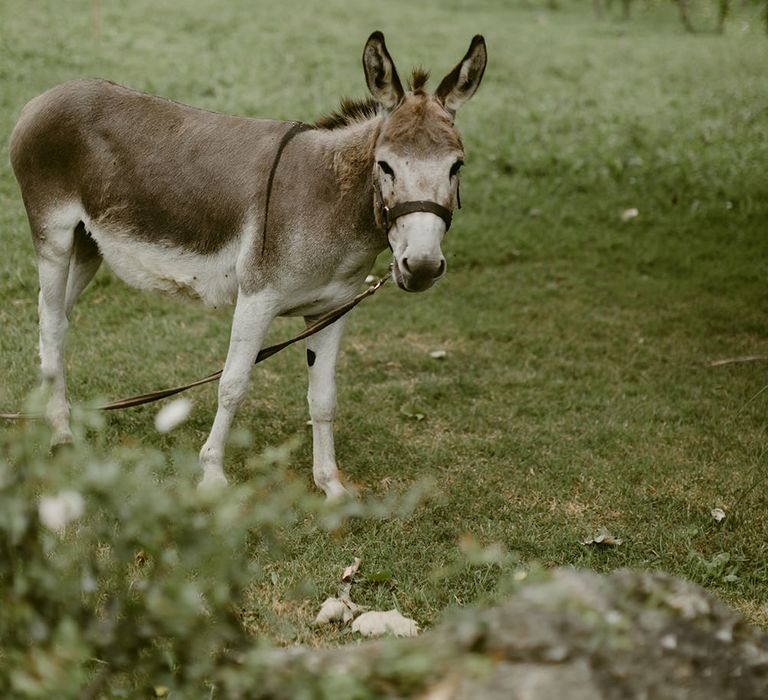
column 119, row 579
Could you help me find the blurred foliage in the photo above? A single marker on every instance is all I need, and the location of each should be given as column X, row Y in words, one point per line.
column 118, row 578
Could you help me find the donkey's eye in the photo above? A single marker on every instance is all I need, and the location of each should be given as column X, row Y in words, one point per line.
column 386, row 168
column 456, row 167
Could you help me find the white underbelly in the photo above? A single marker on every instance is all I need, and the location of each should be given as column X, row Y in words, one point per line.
column 170, row 270
column 320, row 299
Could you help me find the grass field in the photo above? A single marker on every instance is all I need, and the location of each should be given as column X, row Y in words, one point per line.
column 574, row 394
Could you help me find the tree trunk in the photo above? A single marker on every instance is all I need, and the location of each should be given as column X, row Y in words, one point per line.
column 684, row 16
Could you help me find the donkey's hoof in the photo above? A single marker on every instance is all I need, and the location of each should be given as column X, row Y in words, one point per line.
column 61, row 441
column 210, row 483
column 335, row 492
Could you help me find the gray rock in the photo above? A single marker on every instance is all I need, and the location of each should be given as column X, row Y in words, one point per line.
column 568, row 635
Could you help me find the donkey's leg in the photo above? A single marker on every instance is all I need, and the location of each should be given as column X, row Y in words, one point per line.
column 252, row 317
column 54, row 251
column 322, row 350
column 84, row 263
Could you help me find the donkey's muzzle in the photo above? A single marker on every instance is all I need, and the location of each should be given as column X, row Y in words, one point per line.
column 414, row 274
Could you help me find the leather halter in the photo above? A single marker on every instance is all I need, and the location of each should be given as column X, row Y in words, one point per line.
column 391, row 214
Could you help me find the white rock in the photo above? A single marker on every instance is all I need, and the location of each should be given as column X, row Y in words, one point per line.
column 332, row 609
column 375, row 623
column 629, row 214
column 335, row 609
column 56, row 512
column 718, row 514
column 173, row 414
column 438, row 354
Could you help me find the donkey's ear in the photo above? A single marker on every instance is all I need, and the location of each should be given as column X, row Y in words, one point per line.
column 380, row 73
column 462, row 82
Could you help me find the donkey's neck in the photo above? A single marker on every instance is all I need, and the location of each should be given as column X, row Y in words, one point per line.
column 352, row 148
column 349, row 151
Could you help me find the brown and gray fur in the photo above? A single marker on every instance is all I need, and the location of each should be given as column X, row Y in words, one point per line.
column 173, row 198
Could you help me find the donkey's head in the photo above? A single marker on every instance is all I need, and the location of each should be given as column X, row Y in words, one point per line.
column 417, row 159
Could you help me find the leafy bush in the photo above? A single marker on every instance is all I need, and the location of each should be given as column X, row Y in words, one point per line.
column 119, row 579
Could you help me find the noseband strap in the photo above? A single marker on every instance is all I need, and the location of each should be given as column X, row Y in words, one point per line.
column 392, row 214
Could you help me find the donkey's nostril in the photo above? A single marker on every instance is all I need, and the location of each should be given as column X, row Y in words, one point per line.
column 441, row 269
column 404, row 263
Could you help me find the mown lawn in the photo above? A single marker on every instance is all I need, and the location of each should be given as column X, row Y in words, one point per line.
column 574, row 394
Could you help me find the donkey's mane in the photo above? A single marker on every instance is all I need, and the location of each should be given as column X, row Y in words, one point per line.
column 353, row 111
column 349, row 112
column 418, row 80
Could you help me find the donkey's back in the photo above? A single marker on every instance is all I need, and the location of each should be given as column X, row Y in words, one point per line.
column 148, row 167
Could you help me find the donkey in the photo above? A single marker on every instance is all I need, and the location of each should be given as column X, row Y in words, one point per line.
column 276, row 217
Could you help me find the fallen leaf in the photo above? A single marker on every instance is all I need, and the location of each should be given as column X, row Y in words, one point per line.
column 375, row 624
column 629, row 214
column 604, row 538
column 341, row 608
column 351, row 570
column 438, row 354
column 718, row 514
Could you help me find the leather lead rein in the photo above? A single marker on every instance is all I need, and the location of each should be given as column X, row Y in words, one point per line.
column 264, row 353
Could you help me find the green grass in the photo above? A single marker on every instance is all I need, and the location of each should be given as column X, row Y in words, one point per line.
column 574, row 393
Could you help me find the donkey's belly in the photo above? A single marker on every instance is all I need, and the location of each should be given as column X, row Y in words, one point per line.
column 321, row 299
column 171, row 270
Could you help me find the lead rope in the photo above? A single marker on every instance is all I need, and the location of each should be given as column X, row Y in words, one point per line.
column 150, row 397
column 317, row 326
